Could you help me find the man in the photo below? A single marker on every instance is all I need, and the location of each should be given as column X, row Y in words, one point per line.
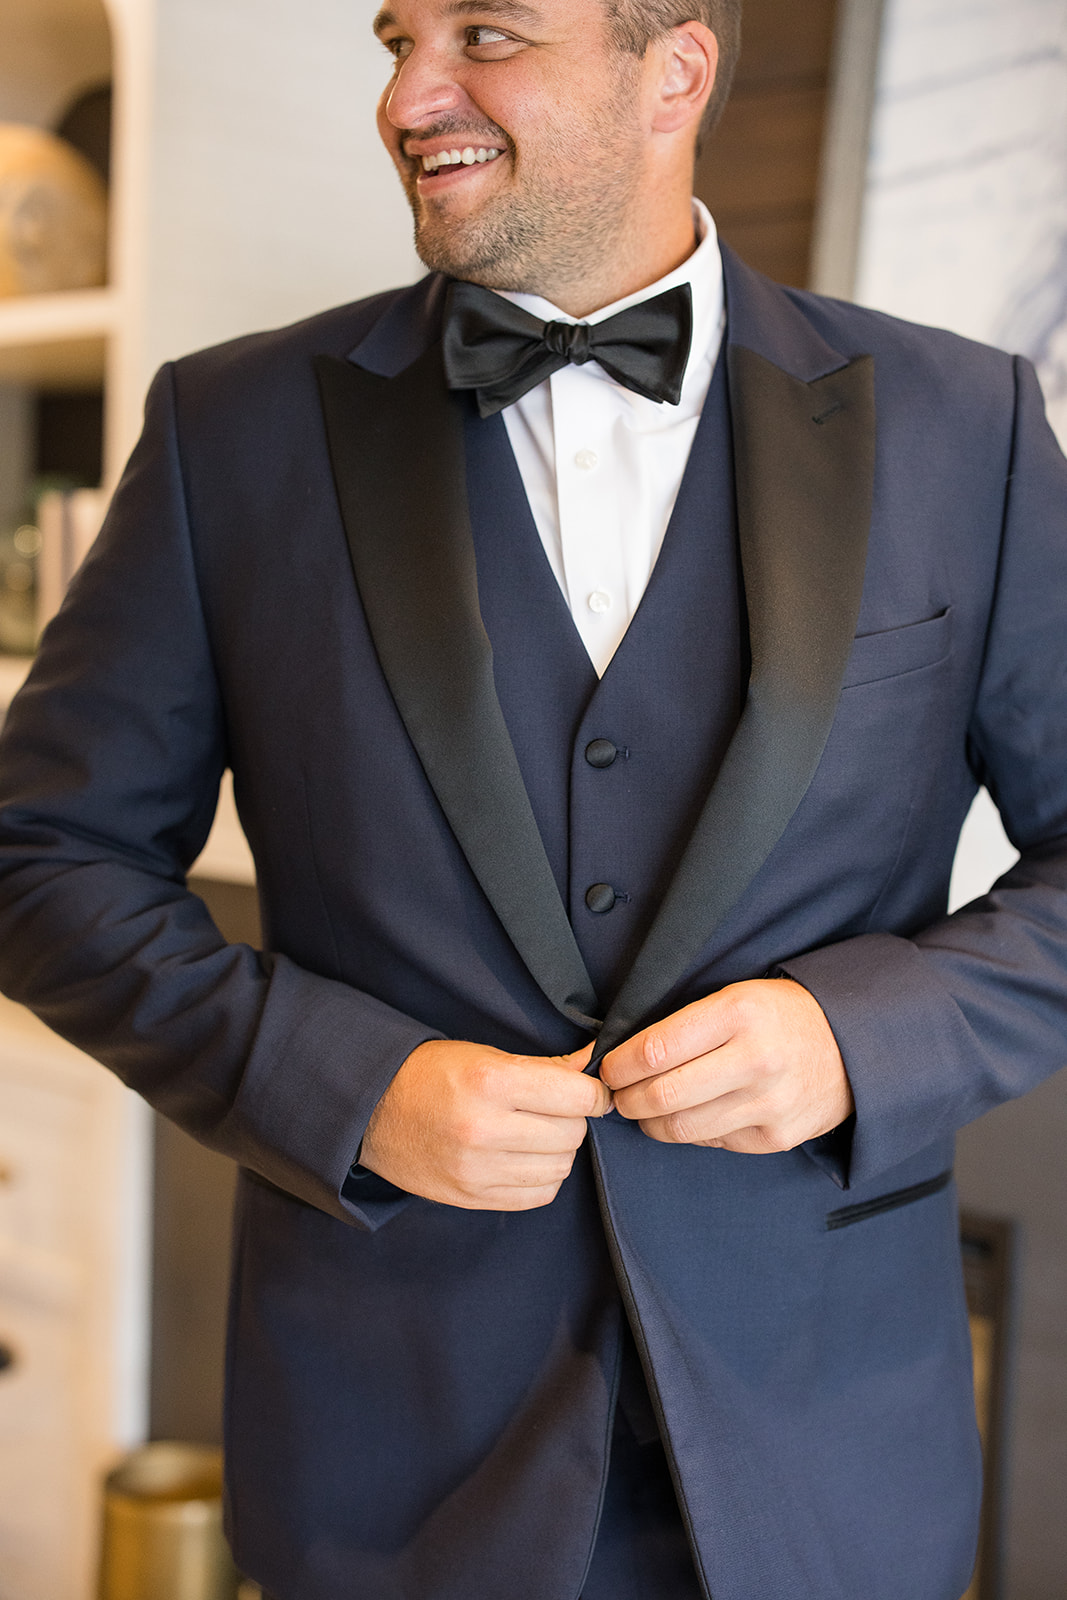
column 603, row 829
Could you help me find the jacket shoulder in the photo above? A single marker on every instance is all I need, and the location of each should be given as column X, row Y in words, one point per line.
column 330, row 332
column 258, row 369
column 921, row 368
column 919, row 349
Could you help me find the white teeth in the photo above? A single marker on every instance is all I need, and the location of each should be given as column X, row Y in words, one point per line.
column 456, row 158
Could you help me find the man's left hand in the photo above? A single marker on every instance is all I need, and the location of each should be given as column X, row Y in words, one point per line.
column 754, row 1068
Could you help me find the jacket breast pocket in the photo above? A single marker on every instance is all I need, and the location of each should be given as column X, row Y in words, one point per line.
column 894, row 651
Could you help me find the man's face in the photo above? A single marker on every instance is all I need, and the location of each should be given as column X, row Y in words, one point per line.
column 545, row 113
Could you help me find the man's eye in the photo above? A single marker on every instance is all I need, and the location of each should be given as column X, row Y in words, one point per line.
column 399, row 49
column 482, row 36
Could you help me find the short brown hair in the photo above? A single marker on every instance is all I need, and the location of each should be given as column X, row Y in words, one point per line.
column 635, row 23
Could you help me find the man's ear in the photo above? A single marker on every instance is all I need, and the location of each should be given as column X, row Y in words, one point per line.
column 690, row 60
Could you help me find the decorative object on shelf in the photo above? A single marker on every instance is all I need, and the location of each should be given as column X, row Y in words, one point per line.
column 53, row 214
column 19, row 549
column 40, row 555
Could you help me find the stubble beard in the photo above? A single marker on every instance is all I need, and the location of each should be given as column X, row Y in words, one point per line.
column 537, row 236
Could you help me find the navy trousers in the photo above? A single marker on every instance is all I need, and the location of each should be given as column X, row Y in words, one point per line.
column 641, row 1549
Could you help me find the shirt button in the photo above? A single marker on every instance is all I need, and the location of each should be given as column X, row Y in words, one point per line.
column 586, row 460
column 600, row 898
column 599, row 602
column 601, row 752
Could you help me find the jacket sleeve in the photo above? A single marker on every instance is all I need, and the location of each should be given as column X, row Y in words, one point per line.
column 110, row 764
column 940, row 1027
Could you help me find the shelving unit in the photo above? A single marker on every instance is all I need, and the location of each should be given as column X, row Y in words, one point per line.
column 58, row 341
column 247, row 190
column 74, row 1146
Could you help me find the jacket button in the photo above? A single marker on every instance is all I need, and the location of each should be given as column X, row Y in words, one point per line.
column 601, row 753
column 600, row 898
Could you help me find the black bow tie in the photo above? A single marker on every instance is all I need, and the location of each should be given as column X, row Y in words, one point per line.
column 499, row 350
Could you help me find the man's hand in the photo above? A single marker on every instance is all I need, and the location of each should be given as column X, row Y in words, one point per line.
column 470, row 1126
column 754, row 1068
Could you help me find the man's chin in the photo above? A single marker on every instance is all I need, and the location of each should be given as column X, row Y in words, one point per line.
column 449, row 256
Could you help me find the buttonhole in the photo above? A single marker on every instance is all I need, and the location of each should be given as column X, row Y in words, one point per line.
column 831, row 411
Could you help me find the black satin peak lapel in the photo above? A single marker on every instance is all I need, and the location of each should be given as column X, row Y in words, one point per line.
column 804, row 460
column 397, row 450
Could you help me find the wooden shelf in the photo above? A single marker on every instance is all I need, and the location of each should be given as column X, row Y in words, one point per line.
column 57, row 341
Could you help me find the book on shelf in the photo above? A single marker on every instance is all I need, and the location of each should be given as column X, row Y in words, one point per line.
column 69, row 522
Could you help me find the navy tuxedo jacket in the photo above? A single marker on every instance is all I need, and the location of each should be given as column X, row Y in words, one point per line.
column 420, row 1398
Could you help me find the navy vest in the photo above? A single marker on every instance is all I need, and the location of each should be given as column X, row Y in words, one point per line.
column 614, row 826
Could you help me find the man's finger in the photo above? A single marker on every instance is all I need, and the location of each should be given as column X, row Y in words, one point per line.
column 578, row 1060
column 520, row 1169
column 703, row 1123
column 557, row 1091
column 708, row 1078
column 530, row 1133
column 509, row 1198
column 748, row 1140
column 685, row 1035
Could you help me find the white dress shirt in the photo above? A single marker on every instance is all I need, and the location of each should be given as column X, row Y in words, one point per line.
column 602, row 466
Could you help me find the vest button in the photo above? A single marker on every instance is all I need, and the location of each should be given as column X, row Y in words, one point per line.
column 600, row 753
column 600, row 898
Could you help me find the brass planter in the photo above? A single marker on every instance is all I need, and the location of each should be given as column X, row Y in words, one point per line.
column 163, row 1536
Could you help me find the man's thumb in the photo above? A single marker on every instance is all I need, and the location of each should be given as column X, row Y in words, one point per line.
column 580, row 1058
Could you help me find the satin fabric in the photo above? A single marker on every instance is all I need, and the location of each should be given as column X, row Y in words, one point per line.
column 501, row 352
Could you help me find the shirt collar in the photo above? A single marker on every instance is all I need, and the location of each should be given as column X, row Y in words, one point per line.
column 702, row 271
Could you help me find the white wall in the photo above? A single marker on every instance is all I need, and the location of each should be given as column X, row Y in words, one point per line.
column 269, row 106
column 966, row 217
column 250, row 186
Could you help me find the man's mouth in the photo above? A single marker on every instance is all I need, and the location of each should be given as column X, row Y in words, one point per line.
column 470, row 156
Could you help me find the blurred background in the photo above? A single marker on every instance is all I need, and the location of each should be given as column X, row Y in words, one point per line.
column 176, row 172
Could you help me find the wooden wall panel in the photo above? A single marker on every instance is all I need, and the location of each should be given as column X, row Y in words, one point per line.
column 759, row 172
column 764, row 158
column 785, row 39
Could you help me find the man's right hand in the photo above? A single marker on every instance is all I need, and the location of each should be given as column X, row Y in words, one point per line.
column 470, row 1126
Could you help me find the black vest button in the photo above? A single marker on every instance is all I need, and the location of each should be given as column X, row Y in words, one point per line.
column 600, row 898
column 601, row 753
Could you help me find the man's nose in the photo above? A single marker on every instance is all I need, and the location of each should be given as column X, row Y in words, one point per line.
column 424, row 88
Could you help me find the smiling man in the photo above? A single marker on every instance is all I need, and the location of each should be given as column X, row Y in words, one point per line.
column 583, row 195
column 596, row 1089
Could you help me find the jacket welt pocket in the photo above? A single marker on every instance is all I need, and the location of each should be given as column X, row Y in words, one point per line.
column 898, row 650
column 888, row 1202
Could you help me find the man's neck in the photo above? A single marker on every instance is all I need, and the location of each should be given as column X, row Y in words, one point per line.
column 657, row 235
column 651, row 256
